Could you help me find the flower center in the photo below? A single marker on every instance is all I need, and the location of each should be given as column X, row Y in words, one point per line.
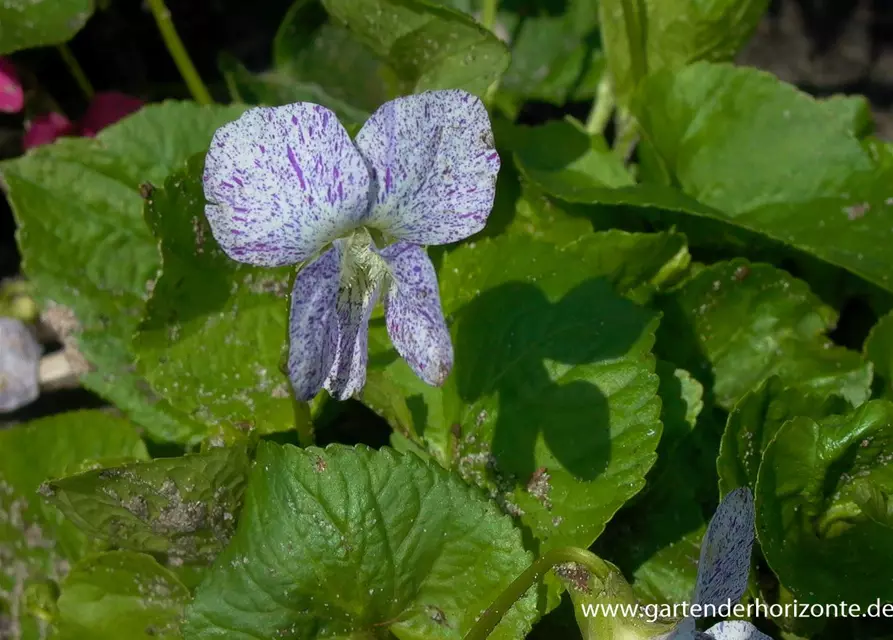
column 363, row 270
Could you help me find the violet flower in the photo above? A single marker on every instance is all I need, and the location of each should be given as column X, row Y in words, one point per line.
column 19, row 365
column 287, row 185
column 723, row 569
column 12, row 97
column 105, row 109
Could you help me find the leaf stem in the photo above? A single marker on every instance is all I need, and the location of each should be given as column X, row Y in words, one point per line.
column 534, row 573
column 76, row 70
column 303, row 423
column 178, row 52
column 602, row 106
column 634, row 16
column 627, row 135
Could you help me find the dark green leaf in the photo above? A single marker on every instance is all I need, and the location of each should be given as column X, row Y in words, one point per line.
column 348, row 542
column 274, row 87
column 120, row 594
column 755, row 420
column 879, row 350
column 657, row 538
column 736, row 324
column 314, row 61
column 560, row 157
column 428, row 46
column 669, row 34
column 855, row 111
column 756, row 160
column 25, row 24
column 551, row 406
column 185, row 507
column 772, row 160
column 214, row 335
column 810, row 493
column 555, row 58
column 312, row 49
column 36, row 542
column 88, row 251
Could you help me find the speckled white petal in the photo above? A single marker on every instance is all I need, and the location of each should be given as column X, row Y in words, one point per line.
column 19, row 365
column 433, row 164
column 725, row 552
column 313, row 324
column 281, row 182
column 358, row 294
column 735, row 630
column 413, row 313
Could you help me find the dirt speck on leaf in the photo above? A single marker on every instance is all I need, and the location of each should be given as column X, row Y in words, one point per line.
column 575, row 574
column 540, row 486
column 857, row 211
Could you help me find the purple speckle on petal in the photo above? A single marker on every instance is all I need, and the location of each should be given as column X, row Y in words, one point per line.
column 270, row 209
column 295, row 165
column 433, row 160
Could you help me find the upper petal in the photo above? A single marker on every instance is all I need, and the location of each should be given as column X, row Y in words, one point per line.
column 735, row 630
column 313, row 324
column 19, row 365
column 434, row 166
column 281, row 182
column 12, row 98
column 725, row 552
column 413, row 313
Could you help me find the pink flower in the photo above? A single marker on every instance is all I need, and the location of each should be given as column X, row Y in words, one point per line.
column 105, row 109
column 46, row 128
column 12, row 98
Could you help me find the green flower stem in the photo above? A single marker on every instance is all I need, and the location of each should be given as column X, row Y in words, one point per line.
column 533, row 574
column 488, row 13
column 488, row 20
column 76, row 71
column 634, row 13
column 178, row 52
column 602, row 106
column 303, row 423
column 627, row 135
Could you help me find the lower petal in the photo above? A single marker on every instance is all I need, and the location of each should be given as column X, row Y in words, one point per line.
column 19, row 365
column 736, row 630
column 313, row 324
column 413, row 314
column 357, row 296
column 724, row 565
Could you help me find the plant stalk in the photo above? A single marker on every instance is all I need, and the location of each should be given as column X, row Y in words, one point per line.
column 178, row 52
column 533, row 574
column 303, row 422
column 602, row 106
column 488, row 13
column 77, row 72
